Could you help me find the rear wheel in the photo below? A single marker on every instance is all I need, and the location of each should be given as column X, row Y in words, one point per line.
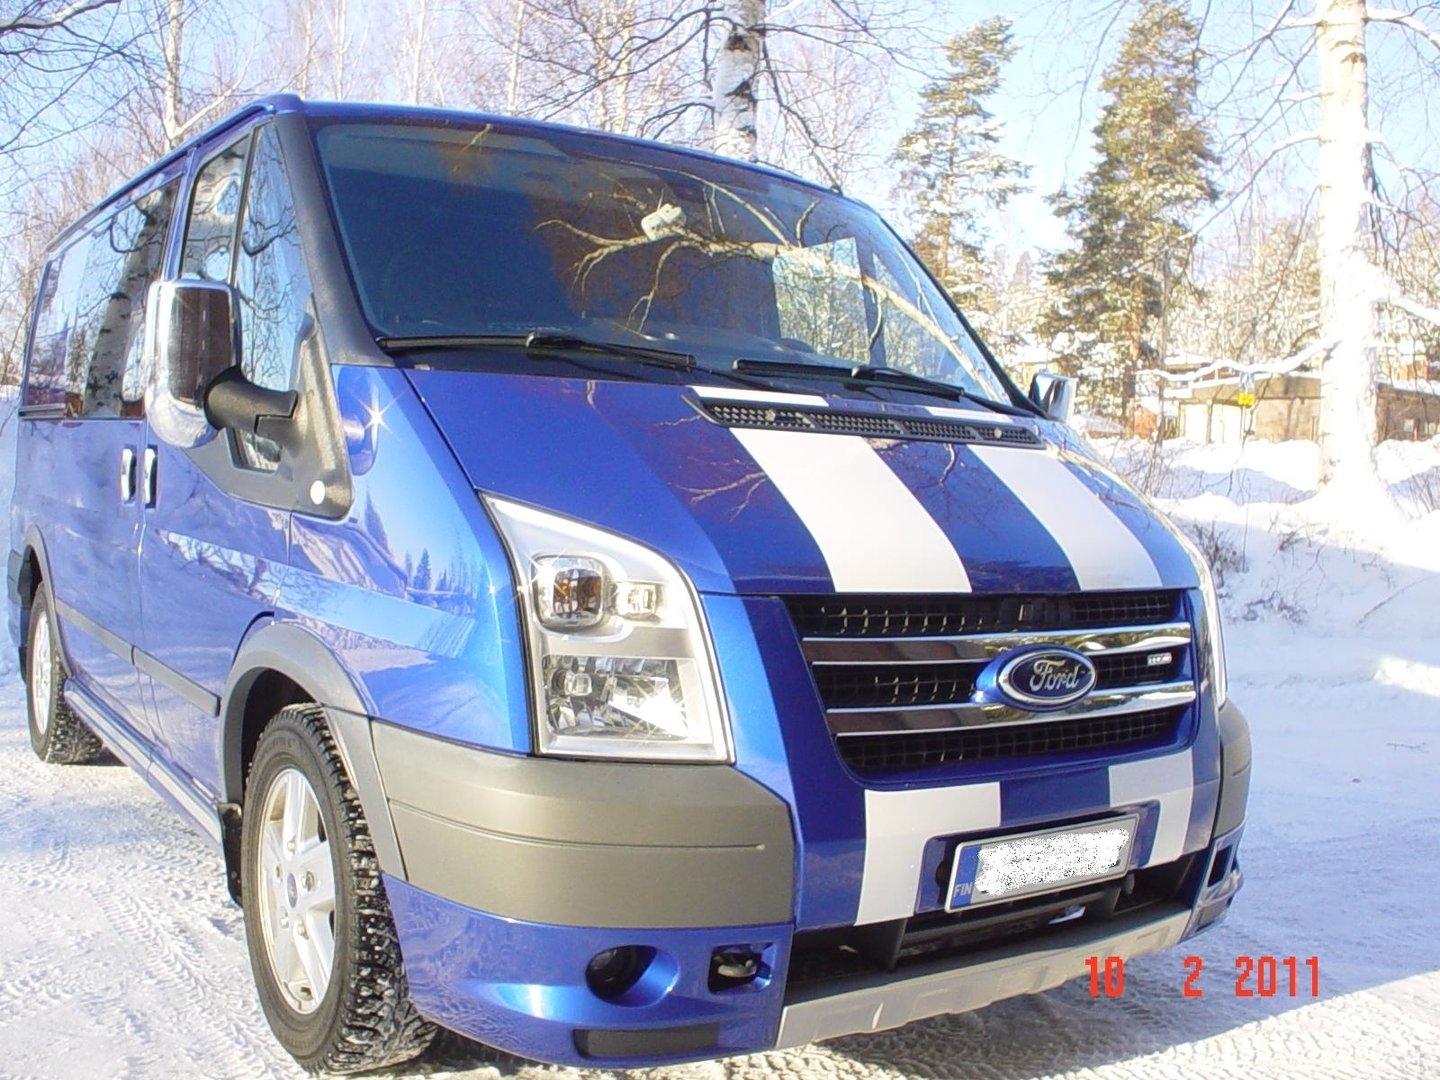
column 322, row 940
column 56, row 734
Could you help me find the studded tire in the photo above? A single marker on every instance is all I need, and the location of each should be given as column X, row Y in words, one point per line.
column 57, row 735
column 364, row 1018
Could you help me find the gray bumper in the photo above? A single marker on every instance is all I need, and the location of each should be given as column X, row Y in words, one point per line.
column 991, row 976
column 586, row 843
column 1234, row 768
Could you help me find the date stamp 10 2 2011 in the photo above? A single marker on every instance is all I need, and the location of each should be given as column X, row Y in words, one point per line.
column 1255, row 976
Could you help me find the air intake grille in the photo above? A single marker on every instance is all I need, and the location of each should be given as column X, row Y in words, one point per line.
column 897, row 675
column 944, row 616
column 870, row 425
column 916, row 750
column 844, row 686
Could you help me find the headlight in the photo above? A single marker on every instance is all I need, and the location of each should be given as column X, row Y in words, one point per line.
column 619, row 657
column 1214, row 653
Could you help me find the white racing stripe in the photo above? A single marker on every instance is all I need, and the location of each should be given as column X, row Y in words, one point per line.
column 1168, row 780
column 873, row 532
column 1103, row 553
column 757, row 397
column 897, row 826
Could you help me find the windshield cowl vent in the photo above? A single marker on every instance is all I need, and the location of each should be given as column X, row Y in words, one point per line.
column 868, row 425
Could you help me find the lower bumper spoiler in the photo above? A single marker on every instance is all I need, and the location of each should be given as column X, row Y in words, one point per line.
column 899, row 998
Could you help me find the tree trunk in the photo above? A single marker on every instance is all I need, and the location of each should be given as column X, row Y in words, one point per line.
column 1347, row 301
column 512, row 82
column 418, row 49
column 170, row 106
column 736, row 70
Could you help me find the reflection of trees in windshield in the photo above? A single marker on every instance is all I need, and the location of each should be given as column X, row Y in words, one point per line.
column 639, row 253
column 506, row 229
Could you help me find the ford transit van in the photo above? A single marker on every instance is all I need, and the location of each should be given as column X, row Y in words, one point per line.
column 600, row 598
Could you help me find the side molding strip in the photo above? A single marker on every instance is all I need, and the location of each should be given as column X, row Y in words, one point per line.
column 112, row 641
column 163, row 673
column 188, row 689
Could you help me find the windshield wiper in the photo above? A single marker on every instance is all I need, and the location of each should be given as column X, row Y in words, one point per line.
column 860, row 373
column 539, row 342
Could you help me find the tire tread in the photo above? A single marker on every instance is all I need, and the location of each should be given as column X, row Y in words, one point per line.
column 377, row 1026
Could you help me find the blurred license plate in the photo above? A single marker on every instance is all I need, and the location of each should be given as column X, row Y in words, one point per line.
column 986, row 871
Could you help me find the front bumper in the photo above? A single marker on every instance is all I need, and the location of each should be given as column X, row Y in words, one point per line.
column 514, row 873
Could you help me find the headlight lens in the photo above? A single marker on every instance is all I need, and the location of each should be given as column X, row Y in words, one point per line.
column 1211, row 616
column 619, row 656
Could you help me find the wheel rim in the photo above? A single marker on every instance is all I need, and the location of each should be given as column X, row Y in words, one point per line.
column 42, row 675
column 297, row 881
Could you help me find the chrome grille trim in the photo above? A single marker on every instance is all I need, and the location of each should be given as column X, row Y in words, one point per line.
column 919, row 718
column 985, row 647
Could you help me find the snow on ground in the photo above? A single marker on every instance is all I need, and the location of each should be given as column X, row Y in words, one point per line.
column 120, row 954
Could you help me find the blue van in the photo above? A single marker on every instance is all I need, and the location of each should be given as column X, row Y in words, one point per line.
column 601, row 598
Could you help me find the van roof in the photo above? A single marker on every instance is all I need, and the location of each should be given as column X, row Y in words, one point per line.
column 344, row 110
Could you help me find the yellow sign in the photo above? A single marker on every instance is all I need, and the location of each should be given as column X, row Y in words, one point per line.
column 1245, row 399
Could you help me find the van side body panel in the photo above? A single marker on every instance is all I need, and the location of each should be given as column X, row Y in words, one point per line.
column 411, row 590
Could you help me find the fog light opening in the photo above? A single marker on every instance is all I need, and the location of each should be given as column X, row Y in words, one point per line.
column 1219, row 869
column 612, row 973
column 734, row 967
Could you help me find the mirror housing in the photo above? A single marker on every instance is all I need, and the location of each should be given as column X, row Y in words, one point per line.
column 1054, row 395
column 233, row 401
column 194, row 336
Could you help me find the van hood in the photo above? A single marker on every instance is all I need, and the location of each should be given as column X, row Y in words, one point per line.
column 757, row 492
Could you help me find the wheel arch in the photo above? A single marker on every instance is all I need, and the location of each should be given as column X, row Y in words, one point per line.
column 281, row 664
column 34, row 574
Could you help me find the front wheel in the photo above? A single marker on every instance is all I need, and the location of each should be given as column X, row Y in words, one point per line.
column 56, row 734
column 322, row 940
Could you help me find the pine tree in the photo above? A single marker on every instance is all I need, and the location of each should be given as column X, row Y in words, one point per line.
column 950, row 164
column 1130, row 219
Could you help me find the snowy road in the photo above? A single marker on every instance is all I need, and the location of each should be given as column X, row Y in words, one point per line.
column 120, row 954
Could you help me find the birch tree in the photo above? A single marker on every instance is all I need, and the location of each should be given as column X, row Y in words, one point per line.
column 1302, row 79
column 63, row 65
column 745, row 78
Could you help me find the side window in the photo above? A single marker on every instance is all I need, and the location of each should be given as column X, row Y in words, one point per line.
column 273, row 286
column 214, row 210
column 89, row 337
column 45, row 375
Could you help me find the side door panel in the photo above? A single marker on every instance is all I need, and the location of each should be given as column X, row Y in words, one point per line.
column 217, row 537
column 208, row 570
column 91, row 533
column 80, row 459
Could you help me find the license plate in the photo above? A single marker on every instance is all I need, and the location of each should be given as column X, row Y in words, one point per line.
column 987, row 871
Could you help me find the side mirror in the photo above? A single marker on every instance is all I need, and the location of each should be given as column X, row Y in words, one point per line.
column 194, row 336
column 1055, row 395
column 233, row 401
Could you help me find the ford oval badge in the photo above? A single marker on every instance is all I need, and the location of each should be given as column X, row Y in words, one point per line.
column 1037, row 679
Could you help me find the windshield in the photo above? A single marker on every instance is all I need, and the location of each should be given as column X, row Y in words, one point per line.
column 490, row 230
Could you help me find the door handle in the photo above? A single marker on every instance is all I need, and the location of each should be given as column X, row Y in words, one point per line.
column 148, row 477
column 127, row 474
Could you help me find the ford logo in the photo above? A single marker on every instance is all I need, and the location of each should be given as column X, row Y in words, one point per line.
column 1037, row 679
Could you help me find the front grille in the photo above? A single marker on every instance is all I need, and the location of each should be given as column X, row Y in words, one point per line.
column 867, row 424
column 896, row 751
column 944, row 616
column 897, row 675
column 844, row 686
